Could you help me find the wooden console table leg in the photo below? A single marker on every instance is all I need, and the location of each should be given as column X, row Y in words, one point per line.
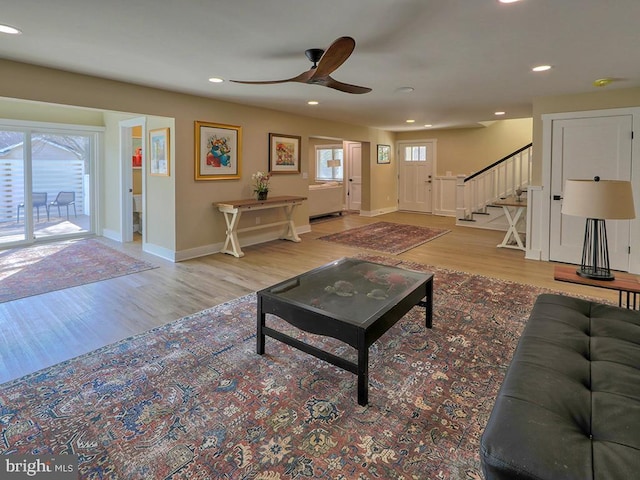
column 232, row 220
column 290, row 227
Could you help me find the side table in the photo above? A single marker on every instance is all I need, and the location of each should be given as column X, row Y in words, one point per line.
column 626, row 284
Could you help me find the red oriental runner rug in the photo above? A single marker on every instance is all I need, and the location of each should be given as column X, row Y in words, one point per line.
column 55, row 266
column 392, row 238
column 192, row 399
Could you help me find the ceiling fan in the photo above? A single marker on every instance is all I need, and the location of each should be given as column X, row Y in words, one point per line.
column 324, row 64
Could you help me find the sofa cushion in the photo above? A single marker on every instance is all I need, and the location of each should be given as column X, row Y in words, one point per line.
column 569, row 406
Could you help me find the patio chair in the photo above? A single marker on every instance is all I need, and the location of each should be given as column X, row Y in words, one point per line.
column 64, row 199
column 38, row 199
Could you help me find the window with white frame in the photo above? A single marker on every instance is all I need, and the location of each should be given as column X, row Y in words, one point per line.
column 329, row 163
column 415, row 153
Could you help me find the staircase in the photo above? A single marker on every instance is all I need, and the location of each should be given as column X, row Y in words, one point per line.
column 476, row 193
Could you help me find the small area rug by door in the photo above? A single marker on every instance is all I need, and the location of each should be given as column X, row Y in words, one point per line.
column 55, row 266
column 393, row 238
column 192, row 399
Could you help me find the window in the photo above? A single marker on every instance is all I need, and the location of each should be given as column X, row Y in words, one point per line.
column 329, row 163
column 415, row 154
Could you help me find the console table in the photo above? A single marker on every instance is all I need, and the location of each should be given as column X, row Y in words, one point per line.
column 520, row 206
column 626, row 284
column 232, row 210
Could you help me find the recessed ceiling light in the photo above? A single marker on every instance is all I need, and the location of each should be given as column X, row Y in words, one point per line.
column 10, row 30
column 411, row 121
column 405, row 89
column 541, row 68
column 508, row 1
column 602, row 82
column 500, row 113
column 428, row 125
column 313, row 102
column 216, row 80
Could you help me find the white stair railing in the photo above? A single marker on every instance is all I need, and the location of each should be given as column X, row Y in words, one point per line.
column 499, row 180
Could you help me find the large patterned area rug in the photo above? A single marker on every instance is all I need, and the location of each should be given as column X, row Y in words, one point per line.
column 193, row 400
column 386, row 237
column 55, row 266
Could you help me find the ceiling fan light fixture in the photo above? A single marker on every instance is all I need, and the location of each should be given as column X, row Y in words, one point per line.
column 10, row 30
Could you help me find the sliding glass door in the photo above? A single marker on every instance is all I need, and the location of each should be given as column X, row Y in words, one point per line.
column 45, row 184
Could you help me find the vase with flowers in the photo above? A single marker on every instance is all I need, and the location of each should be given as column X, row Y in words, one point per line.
column 261, row 184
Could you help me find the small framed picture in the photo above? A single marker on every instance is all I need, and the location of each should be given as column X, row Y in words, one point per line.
column 284, row 153
column 384, row 153
column 218, row 150
column 159, row 152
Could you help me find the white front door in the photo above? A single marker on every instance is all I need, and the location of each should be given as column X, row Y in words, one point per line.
column 415, row 169
column 354, row 172
column 582, row 148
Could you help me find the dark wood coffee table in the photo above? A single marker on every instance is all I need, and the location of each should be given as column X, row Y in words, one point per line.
column 351, row 300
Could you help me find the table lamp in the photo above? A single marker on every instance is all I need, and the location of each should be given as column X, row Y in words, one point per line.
column 597, row 200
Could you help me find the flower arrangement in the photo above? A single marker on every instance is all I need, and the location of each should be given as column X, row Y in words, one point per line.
column 260, row 182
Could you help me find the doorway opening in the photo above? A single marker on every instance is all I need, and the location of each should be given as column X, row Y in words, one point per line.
column 132, row 151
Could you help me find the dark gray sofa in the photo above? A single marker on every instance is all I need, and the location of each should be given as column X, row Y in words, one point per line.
column 569, row 406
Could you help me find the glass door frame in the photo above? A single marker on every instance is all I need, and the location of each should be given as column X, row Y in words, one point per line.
column 29, row 129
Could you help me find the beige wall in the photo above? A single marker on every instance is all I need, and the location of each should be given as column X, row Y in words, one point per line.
column 178, row 206
column 600, row 99
column 180, row 210
column 463, row 151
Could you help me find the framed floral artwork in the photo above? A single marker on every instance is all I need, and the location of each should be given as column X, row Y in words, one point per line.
column 218, row 150
column 284, row 153
column 159, row 152
column 384, row 153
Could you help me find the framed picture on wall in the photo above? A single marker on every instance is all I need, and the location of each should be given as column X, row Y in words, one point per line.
column 384, row 153
column 218, row 150
column 284, row 153
column 159, row 152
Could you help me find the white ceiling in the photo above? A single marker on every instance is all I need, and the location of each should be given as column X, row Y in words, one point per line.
column 465, row 59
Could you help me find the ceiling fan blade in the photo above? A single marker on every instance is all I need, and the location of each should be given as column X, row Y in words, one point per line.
column 334, row 56
column 302, row 78
column 344, row 87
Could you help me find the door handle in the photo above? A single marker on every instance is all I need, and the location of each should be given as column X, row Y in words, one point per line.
column 557, row 197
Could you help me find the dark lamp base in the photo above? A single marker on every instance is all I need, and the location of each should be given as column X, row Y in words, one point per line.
column 595, row 274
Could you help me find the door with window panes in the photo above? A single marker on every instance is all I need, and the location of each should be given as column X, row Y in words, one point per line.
column 415, row 176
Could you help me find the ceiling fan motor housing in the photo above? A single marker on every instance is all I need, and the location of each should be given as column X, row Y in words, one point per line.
column 314, row 55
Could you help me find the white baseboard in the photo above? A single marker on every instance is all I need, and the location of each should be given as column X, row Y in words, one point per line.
column 112, row 234
column 375, row 213
column 246, row 240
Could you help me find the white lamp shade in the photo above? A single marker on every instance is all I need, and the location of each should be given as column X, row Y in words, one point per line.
column 603, row 199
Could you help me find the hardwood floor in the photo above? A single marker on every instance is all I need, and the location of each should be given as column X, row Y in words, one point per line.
column 42, row 330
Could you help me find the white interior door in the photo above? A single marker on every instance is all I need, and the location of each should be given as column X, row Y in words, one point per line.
column 583, row 148
column 354, row 172
column 415, row 163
